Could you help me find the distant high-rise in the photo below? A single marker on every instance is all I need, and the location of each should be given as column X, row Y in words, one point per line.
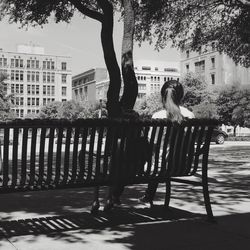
column 36, row 78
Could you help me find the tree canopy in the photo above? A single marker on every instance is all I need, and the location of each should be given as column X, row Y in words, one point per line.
column 234, row 105
column 197, row 22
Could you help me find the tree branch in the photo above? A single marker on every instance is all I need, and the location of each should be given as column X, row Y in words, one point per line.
column 244, row 2
column 86, row 11
column 105, row 5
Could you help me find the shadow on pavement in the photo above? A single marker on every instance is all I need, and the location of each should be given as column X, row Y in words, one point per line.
column 85, row 220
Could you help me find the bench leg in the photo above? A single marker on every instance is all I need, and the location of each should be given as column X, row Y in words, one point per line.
column 109, row 202
column 210, row 215
column 168, row 193
column 95, row 204
column 207, row 201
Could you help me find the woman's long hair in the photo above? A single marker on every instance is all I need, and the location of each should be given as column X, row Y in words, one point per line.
column 172, row 93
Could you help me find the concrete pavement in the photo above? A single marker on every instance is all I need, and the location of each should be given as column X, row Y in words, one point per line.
column 59, row 219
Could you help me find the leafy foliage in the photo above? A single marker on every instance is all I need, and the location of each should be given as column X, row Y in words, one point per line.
column 195, row 23
column 149, row 105
column 5, row 101
column 195, row 89
column 234, row 105
column 72, row 110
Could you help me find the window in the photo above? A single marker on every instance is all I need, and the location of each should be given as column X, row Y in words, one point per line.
column 187, row 54
column 37, row 76
column 64, row 91
column 37, row 64
column 37, row 90
column 200, row 66
column 28, row 64
column 187, row 68
column 21, row 75
column 212, row 62
column 64, row 66
column 48, row 90
column 44, row 64
column 32, row 64
column 21, row 89
column 146, row 68
column 33, row 101
column 52, row 90
column 12, row 62
column 44, row 90
column 28, row 76
column 156, row 69
column 28, row 89
column 33, row 91
column 48, row 77
column 213, row 79
column 64, row 78
column 44, row 76
column 33, row 76
column 52, row 65
column 171, row 70
column 37, row 101
column 28, row 101
column 48, row 64
column 3, row 62
column 53, row 77
column 17, row 75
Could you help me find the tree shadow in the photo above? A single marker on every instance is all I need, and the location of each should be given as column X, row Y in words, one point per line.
column 56, row 213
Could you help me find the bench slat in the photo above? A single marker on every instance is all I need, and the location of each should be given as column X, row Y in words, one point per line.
column 6, row 157
column 41, row 156
column 33, row 156
column 15, row 156
column 24, row 156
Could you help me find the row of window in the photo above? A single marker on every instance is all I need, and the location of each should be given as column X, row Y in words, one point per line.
column 31, row 64
column 156, row 69
column 34, row 76
column 200, row 65
column 155, row 78
column 48, row 90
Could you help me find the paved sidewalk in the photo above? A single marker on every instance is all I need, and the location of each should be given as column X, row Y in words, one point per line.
column 67, row 223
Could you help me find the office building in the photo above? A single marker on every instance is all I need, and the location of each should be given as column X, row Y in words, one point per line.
column 92, row 85
column 36, row 78
column 216, row 68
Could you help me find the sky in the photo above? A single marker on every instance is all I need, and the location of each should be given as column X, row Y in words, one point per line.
column 79, row 39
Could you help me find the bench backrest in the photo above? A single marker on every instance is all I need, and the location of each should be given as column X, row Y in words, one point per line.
column 90, row 152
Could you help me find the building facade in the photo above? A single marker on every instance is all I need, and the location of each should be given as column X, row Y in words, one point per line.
column 35, row 78
column 84, row 85
column 215, row 67
column 92, row 85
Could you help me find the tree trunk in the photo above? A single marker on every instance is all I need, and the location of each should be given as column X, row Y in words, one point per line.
column 129, row 79
column 235, row 127
column 113, row 105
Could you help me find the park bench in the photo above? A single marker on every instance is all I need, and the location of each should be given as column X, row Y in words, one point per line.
column 58, row 154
